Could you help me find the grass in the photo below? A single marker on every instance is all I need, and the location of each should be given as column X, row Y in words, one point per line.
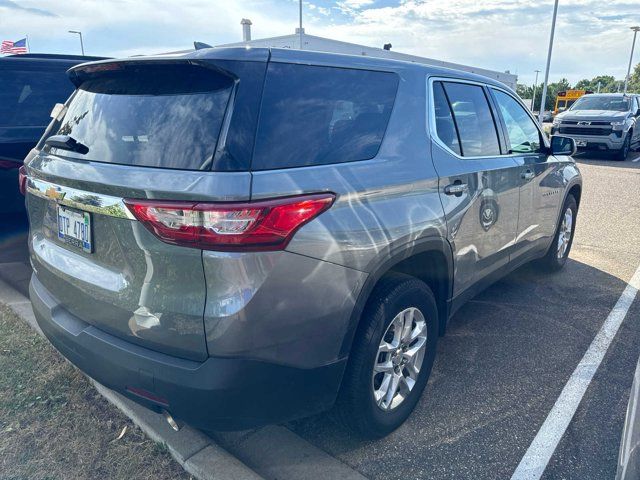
column 55, row 425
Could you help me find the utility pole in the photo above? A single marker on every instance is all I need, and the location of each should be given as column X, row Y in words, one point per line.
column 300, row 28
column 633, row 44
column 546, row 73
column 535, row 84
column 81, row 44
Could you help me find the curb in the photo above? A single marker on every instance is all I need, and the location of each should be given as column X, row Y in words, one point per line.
column 193, row 450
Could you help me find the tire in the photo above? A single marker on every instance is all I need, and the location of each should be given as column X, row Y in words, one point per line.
column 357, row 407
column 623, row 153
column 553, row 260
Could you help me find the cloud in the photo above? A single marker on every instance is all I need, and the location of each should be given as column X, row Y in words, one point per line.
column 592, row 37
column 9, row 5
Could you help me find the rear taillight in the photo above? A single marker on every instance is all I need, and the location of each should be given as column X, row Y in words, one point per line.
column 22, row 180
column 262, row 225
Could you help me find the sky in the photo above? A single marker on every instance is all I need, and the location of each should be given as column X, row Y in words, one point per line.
column 592, row 36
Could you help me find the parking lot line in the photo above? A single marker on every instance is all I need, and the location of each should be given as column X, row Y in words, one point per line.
column 537, row 456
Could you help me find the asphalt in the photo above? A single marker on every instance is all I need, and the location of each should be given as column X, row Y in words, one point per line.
column 500, row 368
column 509, row 352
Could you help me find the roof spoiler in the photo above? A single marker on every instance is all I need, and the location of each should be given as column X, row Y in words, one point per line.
column 204, row 57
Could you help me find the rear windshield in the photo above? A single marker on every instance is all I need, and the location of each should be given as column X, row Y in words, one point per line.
column 313, row 115
column 153, row 115
column 27, row 97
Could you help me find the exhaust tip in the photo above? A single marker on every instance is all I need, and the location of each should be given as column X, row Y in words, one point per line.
column 171, row 421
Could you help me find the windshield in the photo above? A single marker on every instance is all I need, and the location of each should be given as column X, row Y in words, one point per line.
column 617, row 103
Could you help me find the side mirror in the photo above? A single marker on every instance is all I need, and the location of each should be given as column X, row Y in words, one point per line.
column 563, row 145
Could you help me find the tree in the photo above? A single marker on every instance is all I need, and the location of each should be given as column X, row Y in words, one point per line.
column 552, row 93
column 608, row 84
column 634, row 81
column 523, row 91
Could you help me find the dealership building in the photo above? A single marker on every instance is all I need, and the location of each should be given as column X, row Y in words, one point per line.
column 311, row 42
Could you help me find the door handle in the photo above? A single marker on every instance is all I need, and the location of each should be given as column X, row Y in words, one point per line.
column 457, row 188
column 528, row 175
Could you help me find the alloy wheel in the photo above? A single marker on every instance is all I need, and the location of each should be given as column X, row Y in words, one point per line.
column 564, row 236
column 399, row 359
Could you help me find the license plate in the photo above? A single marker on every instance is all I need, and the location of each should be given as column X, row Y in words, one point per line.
column 581, row 143
column 74, row 228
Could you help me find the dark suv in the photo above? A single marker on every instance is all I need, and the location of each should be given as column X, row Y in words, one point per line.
column 244, row 236
column 31, row 85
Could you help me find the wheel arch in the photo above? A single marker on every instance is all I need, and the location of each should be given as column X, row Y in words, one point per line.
column 430, row 260
column 576, row 191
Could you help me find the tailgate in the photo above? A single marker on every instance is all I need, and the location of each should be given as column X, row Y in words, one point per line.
column 149, row 129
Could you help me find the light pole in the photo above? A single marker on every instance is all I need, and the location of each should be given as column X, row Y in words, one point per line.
column 300, row 29
column 546, row 73
column 81, row 44
column 535, row 84
column 633, row 44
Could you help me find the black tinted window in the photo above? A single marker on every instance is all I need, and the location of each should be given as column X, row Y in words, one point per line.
column 471, row 112
column 445, row 127
column 27, row 97
column 157, row 116
column 315, row 115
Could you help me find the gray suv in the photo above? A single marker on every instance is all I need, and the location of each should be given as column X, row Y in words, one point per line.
column 245, row 236
column 605, row 121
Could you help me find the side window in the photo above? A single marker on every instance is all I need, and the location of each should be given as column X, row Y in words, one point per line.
column 524, row 136
column 315, row 115
column 445, row 128
column 26, row 97
column 473, row 119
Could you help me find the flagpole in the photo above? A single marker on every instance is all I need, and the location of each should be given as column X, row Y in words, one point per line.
column 28, row 46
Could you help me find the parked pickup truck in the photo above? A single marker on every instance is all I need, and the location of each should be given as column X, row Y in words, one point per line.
column 605, row 121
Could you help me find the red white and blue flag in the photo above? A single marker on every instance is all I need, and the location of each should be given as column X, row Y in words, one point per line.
column 14, row 47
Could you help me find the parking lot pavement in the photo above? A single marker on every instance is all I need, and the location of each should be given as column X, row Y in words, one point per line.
column 509, row 352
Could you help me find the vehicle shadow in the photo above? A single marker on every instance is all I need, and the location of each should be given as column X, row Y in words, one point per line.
column 607, row 160
column 500, row 367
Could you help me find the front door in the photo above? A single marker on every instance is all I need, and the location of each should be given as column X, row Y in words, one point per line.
column 540, row 178
column 478, row 184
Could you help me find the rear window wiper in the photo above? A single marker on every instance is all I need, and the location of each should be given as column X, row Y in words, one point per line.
column 66, row 142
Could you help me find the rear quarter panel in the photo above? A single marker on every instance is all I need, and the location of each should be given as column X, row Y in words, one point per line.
column 383, row 206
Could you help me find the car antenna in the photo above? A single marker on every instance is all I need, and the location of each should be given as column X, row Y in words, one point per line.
column 201, row 45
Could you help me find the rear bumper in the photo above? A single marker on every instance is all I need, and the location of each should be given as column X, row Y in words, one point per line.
column 219, row 393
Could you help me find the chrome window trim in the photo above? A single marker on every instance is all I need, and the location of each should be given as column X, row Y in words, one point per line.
column 76, row 198
column 431, row 117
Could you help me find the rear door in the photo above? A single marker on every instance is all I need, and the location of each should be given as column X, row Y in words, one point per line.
column 161, row 129
column 478, row 184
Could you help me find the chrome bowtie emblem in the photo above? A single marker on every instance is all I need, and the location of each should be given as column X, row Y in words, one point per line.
column 584, row 123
